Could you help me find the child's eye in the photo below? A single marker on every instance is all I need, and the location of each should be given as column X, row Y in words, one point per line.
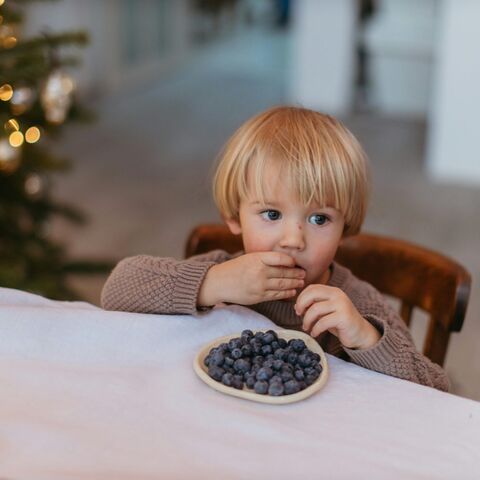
column 271, row 214
column 318, row 219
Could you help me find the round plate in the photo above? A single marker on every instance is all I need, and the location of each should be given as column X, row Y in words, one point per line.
column 202, row 371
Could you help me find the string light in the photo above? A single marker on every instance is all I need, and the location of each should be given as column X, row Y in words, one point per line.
column 16, row 139
column 11, row 126
column 2, row 2
column 9, row 42
column 32, row 135
column 6, row 92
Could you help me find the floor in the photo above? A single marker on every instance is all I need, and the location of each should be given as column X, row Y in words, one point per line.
column 142, row 173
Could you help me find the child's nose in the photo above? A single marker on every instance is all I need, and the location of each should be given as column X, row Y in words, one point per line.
column 293, row 237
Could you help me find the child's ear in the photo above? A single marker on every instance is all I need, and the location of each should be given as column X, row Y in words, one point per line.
column 234, row 225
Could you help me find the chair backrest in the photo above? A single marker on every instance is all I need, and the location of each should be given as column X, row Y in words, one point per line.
column 418, row 277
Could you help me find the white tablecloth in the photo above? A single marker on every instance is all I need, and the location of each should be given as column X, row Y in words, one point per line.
column 89, row 394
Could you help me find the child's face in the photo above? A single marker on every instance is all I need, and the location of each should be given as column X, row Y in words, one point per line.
column 308, row 233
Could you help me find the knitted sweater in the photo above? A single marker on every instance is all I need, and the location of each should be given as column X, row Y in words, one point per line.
column 147, row 284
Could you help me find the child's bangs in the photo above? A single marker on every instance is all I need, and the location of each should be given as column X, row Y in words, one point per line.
column 311, row 181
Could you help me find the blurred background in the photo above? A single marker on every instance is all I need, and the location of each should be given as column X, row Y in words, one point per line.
column 170, row 80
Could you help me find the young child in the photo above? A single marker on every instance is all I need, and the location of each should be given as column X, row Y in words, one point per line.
column 292, row 182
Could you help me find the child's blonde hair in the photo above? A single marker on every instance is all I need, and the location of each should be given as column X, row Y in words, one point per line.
column 320, row 158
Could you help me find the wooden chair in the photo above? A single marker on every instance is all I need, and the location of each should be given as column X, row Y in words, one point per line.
column 418, row 277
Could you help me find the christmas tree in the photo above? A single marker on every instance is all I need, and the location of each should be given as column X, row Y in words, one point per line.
column 37, row 99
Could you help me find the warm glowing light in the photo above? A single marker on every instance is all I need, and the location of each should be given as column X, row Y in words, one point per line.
column 32, row 135
column 9, row 42
column 33, row 184
column 6, row 92
column 2, row 2
column 16, row 139
column 11, row 125
column 67, row 84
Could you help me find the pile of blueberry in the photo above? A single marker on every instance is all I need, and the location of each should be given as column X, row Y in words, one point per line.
column 265, row 363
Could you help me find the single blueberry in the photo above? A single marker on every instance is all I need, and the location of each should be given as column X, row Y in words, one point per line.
column 278, row 364
column 250, row 382
column 260, row 387
column 236, row 353
column 287, row 368
column 282, row 343
column 237, row 382
column 274, row 333
column 258, row 360
column 297, row 345
column 217, row 359
column 292, row 386
column 241, row 365
column 304, row 360
column 264, row 373
column 223, row 347
column 309, row 379
column 246, row 335
column 299, row 375
column 292, row 358
column 268, row 338
column 206, row 360
column 247, row 351
column 228, row 361
column 276, row 389
column 227, row 379
column 216, row 372
column 275, row 379
column 275, row 345
column 280, row 354
column 266, row 350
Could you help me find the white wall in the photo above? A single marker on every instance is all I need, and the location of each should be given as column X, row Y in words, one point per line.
column 103, row 70
column 454, row 139
column 323, row 54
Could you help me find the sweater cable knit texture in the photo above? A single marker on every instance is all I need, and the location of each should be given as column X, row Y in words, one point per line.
column 147, row 284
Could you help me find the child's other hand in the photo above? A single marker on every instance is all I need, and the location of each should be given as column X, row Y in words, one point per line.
column 329, row 308
column 252, row 278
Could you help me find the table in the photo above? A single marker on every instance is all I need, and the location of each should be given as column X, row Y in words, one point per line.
column 90, row 394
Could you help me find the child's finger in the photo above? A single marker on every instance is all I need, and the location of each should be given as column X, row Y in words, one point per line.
column 309, row 296
column 284, row 283
column 277, row 259
column 282, row 272
column 279, row 294
column 325, row 323
column 315, row 312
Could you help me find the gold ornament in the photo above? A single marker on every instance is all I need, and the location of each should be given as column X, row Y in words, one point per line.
column 9, row 156
column 56, row 96
column 22, row 99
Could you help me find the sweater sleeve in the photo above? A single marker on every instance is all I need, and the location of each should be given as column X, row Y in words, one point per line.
column 147, row 284
column 395, row 353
